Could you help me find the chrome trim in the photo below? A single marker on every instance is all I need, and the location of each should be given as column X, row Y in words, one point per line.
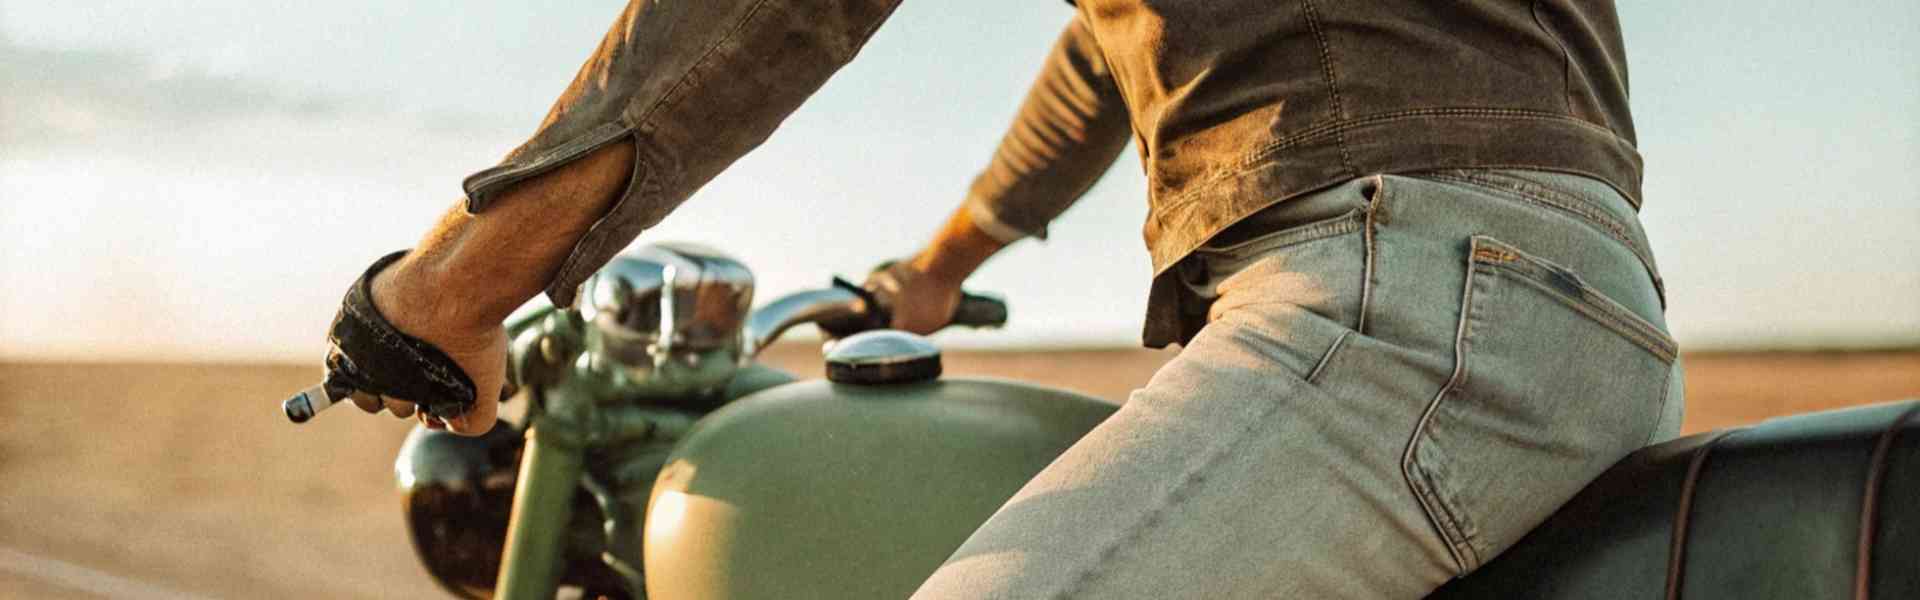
column 766, row 325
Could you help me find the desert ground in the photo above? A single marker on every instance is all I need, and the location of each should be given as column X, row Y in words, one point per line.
column 184, row 481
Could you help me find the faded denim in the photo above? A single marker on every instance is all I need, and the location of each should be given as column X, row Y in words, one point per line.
column 1393, row 384
column 1235, row 105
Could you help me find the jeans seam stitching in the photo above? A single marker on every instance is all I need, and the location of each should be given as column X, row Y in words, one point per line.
column 1534, row 194
column 1370, row 254
column 1666, row 399
column 1310, row 232
column 1313, row 376
column 1609, row 313
column 1537, row 195
column 1604, row 316
column 1530, row 191
column 1171, row 498
column 1594, row 175
column 1427, row 495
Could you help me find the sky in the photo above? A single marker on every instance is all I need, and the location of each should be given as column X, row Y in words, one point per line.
column 200, row 181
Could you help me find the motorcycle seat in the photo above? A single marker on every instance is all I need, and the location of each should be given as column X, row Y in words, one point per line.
column 1816, row 505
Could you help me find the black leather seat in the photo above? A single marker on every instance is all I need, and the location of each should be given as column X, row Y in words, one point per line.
column 1818, row 505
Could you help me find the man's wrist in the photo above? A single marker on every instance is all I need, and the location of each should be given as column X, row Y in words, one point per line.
column 957, row 250
column 429, row 300
column 473, row 270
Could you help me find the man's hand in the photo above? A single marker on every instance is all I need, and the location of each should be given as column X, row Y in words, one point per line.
column 921, row 302
column 923, row 291
column 402, row 294
column 470, row 271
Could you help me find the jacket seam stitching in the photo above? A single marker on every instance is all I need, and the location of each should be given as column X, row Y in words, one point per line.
column 1333, row 86
column 1335, row 127
column 1566, row 58
column 640, row 178
column 552, row 158
column 1257, row 157
column 644, row 126
column 645, row 122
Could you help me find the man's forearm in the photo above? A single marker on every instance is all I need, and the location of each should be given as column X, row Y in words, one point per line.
column 472, row 270
column 693, row 86
column 1070, row 128
column 1068, row 131
column 957, row 249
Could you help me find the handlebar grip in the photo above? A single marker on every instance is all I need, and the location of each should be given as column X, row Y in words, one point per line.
column 321, row 396
column 980, row 310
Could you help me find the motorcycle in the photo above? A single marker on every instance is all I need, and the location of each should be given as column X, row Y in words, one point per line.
column 657, row 459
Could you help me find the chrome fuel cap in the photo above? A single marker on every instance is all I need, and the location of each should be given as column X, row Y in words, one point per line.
column 882, row 356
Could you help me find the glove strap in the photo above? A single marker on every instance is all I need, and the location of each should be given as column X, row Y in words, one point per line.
column 374, row 357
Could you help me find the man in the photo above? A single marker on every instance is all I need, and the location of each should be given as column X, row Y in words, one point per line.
column 1397, row 240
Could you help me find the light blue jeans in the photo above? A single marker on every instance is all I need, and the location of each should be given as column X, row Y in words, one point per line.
column 1388, row 391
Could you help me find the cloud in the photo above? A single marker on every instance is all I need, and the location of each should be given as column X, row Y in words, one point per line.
column 61, row 97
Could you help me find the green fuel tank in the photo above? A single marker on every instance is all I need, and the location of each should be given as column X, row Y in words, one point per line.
column 847, row 491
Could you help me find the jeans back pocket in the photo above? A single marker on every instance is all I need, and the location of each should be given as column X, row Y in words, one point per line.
column 1553, row 382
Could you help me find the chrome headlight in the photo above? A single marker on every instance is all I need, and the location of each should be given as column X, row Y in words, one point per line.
column 669, row 315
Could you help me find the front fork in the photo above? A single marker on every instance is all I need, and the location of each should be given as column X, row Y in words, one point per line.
column 542, row 505
column 565, row 422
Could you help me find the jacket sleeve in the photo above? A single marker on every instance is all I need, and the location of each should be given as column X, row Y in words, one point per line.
column 695, row 85
column 1070, row 128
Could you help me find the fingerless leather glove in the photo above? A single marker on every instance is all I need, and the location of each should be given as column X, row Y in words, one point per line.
column 374, row 357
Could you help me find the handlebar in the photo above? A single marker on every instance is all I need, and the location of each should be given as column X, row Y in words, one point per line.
column 980, row 310
column 841, row 310
column 319, row 397
column 846, row 308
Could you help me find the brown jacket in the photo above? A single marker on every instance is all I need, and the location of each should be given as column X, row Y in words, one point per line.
column 1235, row 104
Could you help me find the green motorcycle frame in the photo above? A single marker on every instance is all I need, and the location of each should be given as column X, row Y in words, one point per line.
column 657, row 460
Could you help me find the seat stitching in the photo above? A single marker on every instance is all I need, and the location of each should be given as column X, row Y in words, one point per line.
column 1870, row 503
column 1677, row 548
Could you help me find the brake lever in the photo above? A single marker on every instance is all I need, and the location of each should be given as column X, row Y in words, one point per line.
column 875, row 315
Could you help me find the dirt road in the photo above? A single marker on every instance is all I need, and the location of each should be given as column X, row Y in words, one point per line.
column 183, row 481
